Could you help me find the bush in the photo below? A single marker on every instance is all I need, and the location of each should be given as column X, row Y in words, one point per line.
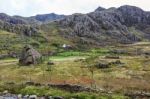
column 31, row 90
column 35, row 44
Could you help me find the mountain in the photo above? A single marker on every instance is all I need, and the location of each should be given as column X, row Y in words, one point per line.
column 30, row 20
column 100, row 9
column 12, row 20
column 126, row 24
column 47, row 17
column 25, row 25
column 133, row 15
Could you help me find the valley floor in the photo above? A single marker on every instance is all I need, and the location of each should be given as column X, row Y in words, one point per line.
column 133, row 76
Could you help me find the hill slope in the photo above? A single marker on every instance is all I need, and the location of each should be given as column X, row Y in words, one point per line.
column 110, row 25
column 126, row 24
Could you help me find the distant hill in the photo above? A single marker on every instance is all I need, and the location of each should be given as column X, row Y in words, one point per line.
column 47, row 17
column 26, row 25
column 30, row 20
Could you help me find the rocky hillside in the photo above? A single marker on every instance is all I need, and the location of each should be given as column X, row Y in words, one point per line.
column 30, row 20
column 25, row 25
column 125, row 24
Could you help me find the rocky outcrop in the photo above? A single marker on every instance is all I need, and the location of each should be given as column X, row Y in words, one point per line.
column 29, row 56
column 26, row 30
column 110, row 25
column 133, row 15
column 12, row 20
column 26, row 25
column 100, row 9
column 81, row 24
column 72, row 88
column 138, row 95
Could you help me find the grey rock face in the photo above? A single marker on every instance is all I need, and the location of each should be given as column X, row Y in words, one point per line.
column 12, row 20
column 134, row 15
column 47, row 17
column 100, row 9
column 82, row 24
column 110, row 24
column 29, row 56
column 25, row 25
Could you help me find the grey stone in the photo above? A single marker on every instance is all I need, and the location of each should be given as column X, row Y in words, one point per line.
column 58, row 97
column 29, row 56
column 33, row 97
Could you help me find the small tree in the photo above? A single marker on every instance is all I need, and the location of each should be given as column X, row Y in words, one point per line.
column 90, row 62
column 49, row 69
column 91, row 68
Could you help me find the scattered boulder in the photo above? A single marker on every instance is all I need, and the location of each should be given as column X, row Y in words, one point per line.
column 119, row 51
column 112, row 57
column 117, row 62
column 10, row 83
column 9, row 55
column 29, row 83
column 5, row 92
column 26, row 97
column 146, row 56
column 50, row 97
column 50, row 63
column 106, row 64
column 147, row 53
column 72, row 88
column 19, row 96
column 29, row 56
column 32, row 97
column 138, row 95
column 102, row 65
column 3, row 56
column 13, row 54
column 58, row 97
column 38, row 84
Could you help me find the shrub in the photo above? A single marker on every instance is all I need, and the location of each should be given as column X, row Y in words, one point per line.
column 30, row 90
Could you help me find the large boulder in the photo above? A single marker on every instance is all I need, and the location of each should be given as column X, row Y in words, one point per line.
column 29, row 56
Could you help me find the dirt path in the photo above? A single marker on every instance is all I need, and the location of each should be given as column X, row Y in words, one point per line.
column 57, row 59
column 71, row 58
column 8, row 62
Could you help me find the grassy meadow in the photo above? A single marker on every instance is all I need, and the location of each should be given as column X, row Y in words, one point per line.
column 70, row 67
